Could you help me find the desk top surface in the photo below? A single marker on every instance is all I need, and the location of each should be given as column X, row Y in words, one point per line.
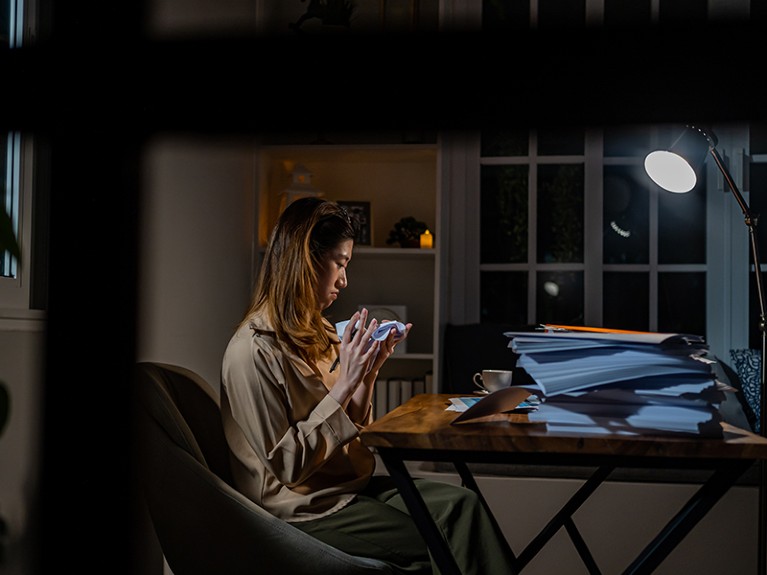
column 423, row 423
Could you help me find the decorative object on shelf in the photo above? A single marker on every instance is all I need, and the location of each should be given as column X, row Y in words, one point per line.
column 300, row 187
column 331, row 13
column 407, row 233
column 427, row 240
column 360, row 214
column 388, row 313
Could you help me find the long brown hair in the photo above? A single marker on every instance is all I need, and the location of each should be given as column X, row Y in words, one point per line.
column 287, row 286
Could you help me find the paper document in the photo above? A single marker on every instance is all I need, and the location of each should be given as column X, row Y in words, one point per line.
column 507, row 399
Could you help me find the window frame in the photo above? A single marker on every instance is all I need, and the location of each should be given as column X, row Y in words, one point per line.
column 15, row 293
column 727, row 253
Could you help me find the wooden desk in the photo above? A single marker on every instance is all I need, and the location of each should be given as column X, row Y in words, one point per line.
column 421, row 430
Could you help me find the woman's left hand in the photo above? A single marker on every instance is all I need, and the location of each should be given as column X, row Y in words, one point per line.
column 387, row 346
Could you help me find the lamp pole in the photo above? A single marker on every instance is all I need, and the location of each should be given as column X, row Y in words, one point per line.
column 751, row 222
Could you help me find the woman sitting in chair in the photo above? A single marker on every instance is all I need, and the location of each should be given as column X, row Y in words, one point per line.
column 292, row 418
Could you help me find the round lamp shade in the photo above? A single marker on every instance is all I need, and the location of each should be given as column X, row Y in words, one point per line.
column 670, row 171
column 676, row 169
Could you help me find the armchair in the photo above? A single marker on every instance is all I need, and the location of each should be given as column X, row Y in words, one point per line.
column 203, row 524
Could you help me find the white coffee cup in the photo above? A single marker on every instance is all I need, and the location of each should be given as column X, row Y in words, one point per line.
column 492, row 379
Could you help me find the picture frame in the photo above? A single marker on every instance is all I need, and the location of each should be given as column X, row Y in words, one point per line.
column 360, row 213
column 343, row 16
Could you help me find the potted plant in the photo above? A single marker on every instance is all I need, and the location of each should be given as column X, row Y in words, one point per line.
column 407, row 233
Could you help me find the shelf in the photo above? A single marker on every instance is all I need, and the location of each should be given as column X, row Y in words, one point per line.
column 397, row 181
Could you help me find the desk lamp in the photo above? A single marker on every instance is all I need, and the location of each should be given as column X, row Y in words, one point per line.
column 676, row 170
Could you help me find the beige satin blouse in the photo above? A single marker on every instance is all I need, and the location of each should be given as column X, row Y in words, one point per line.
column 296, row 452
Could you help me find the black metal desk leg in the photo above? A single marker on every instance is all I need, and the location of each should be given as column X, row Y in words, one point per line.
column 439, row 548
column 692, row 512
column 562, row 517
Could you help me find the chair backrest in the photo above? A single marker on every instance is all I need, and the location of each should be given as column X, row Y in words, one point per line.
column 203, row 524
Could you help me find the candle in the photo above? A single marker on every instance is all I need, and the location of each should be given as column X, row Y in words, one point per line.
column 426, row 239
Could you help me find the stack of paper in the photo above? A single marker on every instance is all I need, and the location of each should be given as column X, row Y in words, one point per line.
column 632, row 383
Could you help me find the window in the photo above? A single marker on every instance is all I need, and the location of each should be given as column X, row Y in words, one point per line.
column 16, row 166
column 9, row 196
column 10, row 37
column 647, row 260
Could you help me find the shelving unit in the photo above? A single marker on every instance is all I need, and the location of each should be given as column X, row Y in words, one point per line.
column 398, row 181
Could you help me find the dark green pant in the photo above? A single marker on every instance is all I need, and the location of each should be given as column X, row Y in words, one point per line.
column 377, row 525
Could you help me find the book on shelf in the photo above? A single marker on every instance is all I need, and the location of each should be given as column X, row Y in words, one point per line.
column 593, row 380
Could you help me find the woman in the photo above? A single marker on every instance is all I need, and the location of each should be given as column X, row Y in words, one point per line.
column 292, row 419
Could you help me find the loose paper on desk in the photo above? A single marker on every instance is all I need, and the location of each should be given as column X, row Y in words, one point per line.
column 505, row 399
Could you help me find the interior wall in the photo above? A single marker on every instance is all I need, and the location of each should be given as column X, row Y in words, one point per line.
column 197, row 233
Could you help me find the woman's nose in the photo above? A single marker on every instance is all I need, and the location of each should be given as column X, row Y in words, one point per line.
column 342, row 280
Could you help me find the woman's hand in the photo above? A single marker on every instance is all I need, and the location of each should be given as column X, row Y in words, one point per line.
column 356, row 359
column 387, row 348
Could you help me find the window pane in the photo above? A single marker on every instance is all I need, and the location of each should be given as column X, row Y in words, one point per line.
column 559, row 298
column 505, row 14
column 626, row 141
column 682, row 226
column 504, row 143
column 561, row 13
column 626, row 300
column 503, row 297
column 560, row 213
column 682, row 302
column 503, row 214
column 625, row 217
column 561, row 142
column 6, row 203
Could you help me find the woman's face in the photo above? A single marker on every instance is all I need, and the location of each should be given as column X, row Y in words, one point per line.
column 332, row 273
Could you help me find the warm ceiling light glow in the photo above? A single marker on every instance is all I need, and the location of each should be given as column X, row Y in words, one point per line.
column 670, row 171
